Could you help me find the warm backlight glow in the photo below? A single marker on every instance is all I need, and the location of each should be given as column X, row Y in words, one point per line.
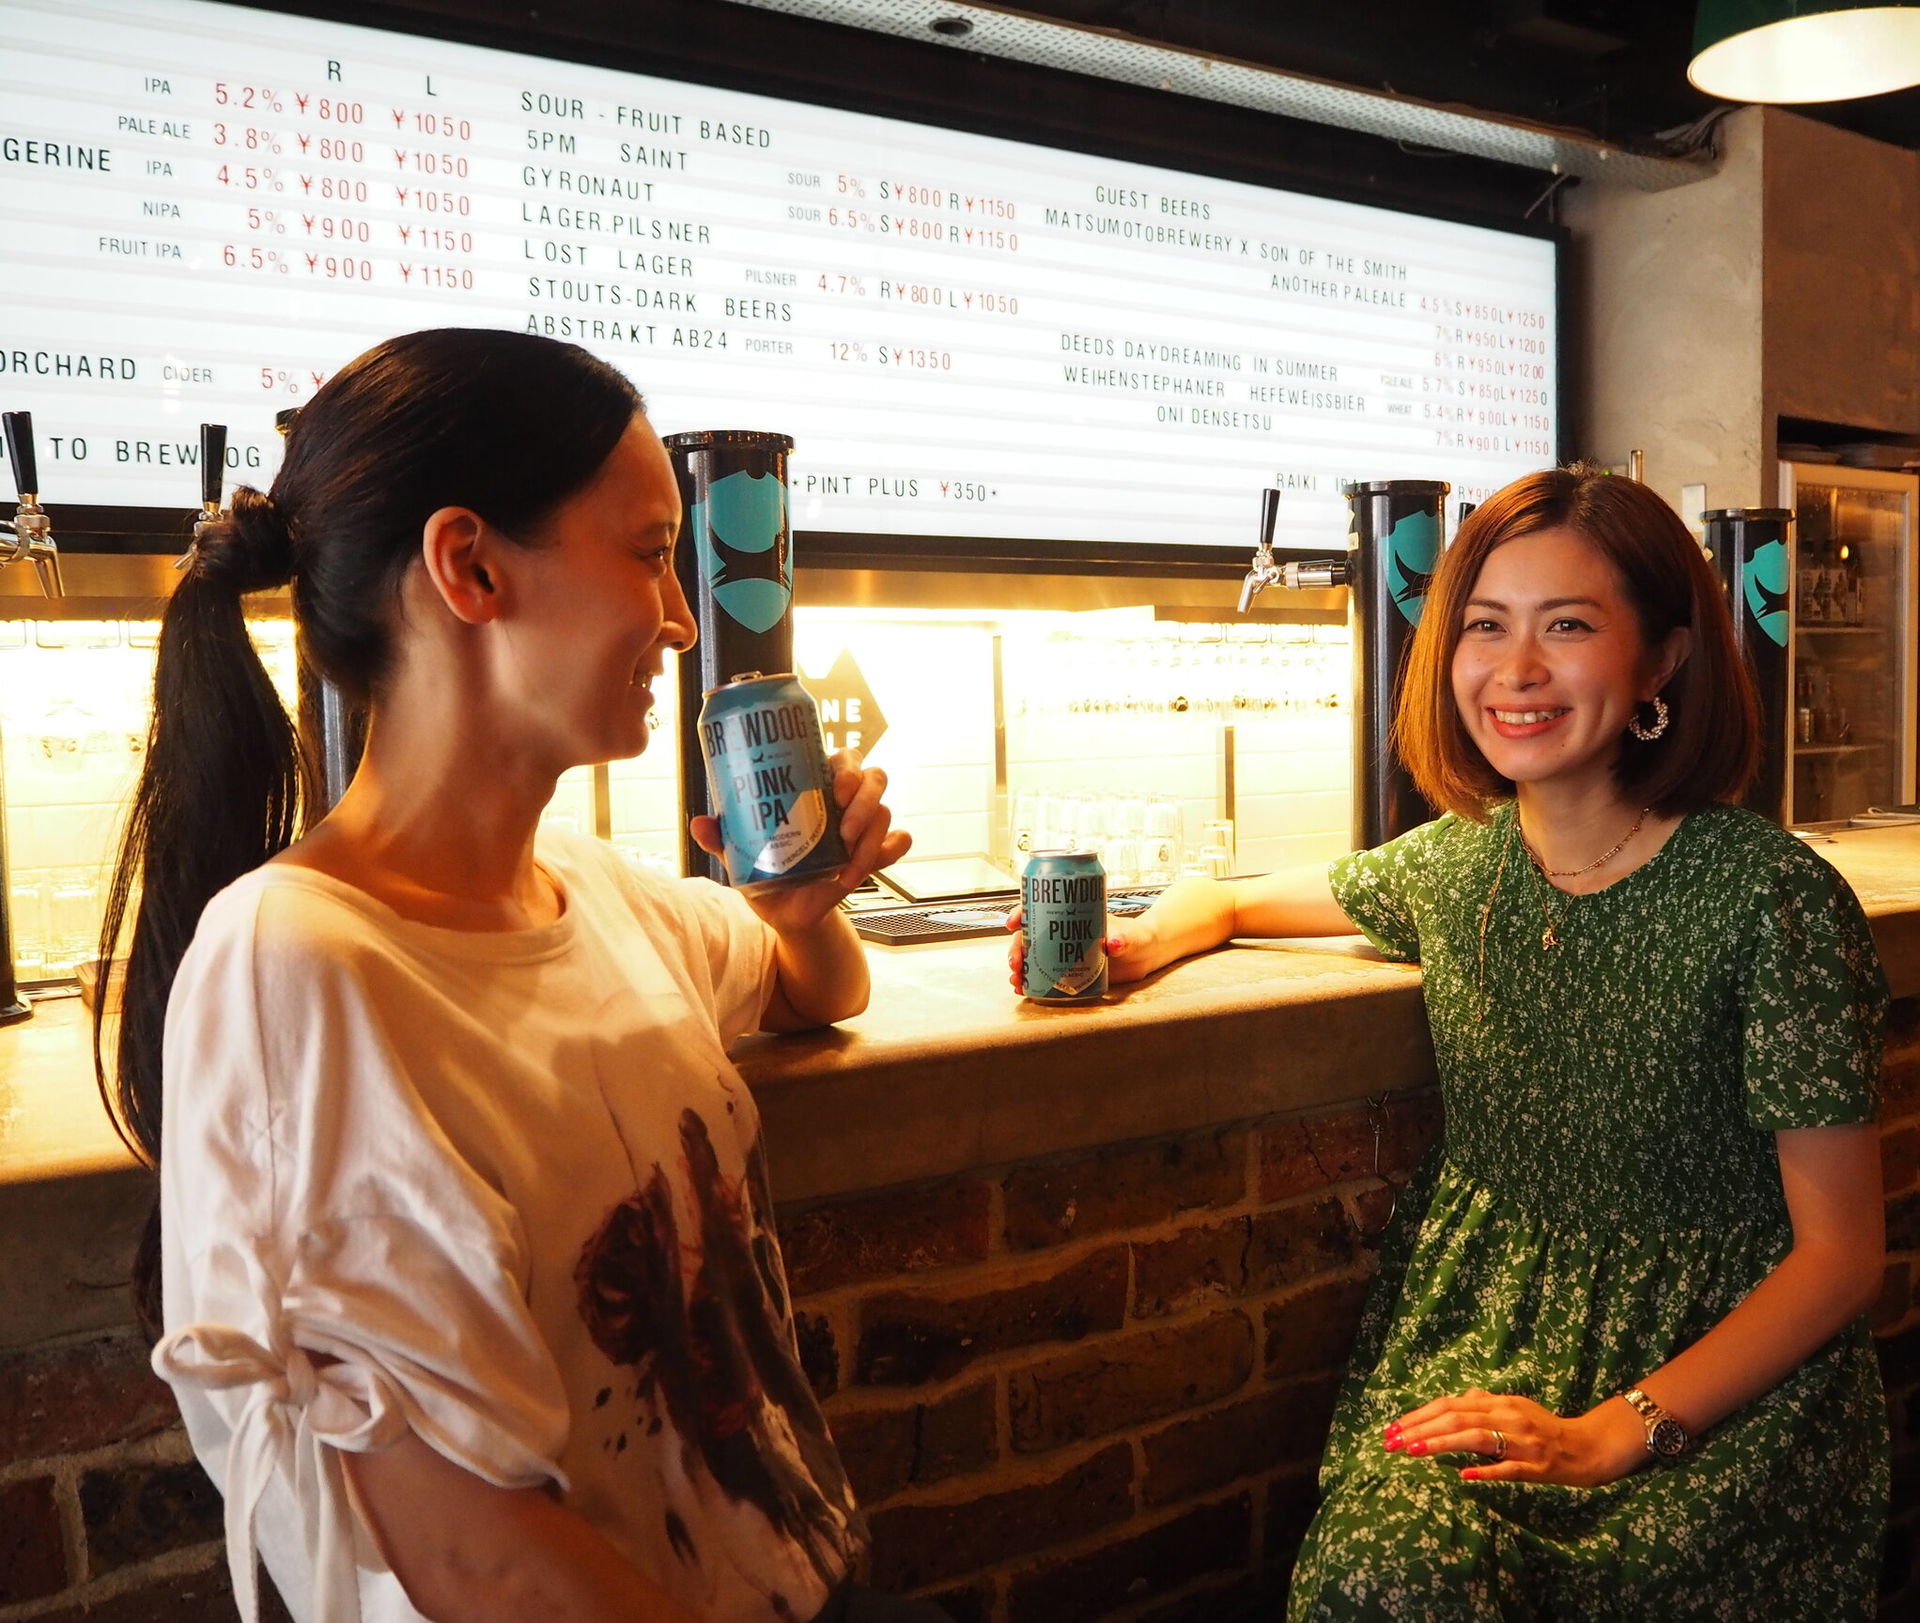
column 1830, row 56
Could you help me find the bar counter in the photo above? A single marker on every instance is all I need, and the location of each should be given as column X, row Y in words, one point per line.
column 1074, row 1285
column 947, row 1071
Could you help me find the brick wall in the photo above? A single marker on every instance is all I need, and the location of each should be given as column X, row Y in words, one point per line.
column 1098, row 1385
column 1091, row 1387
column 1896, row 1319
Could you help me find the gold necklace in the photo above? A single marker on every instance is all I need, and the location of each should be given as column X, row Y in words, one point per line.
column 1604, row 858
column 1550, row 936
column 1550, row 933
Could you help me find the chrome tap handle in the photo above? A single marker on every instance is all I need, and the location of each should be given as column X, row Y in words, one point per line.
column 46, row 564
column 26, row 473
column 1264, row 573
column 32, row 529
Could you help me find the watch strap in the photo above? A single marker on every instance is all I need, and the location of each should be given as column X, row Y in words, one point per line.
column 1657, row 1419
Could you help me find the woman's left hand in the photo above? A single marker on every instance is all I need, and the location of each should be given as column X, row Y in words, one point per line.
column 866, row 825
column 1606, row 1443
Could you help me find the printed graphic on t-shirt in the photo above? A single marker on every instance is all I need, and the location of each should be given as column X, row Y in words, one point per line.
column 712, row 1350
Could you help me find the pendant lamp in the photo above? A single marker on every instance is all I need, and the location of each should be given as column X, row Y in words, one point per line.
column 1803, row 50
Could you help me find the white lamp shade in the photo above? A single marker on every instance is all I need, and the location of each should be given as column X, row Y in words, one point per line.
column 1826, row 56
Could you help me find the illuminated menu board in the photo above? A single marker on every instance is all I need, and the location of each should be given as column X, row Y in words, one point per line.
column 210, row 208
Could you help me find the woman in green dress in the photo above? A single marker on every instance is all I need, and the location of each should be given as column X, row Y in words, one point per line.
column 1614, row 1364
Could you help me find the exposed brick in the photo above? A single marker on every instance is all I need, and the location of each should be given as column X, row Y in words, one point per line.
column 898, row 1233
column 1896, row 1295
column 141, row 1511
column 80, row 1398
column 1899, row 1086
column 1896, row 1567
column 972, row 1604
column 1131, row 1186
column 1906, row 1485
column 33, row 1561
column 1900, row 1158
column 1899, row 1358
column 1314, row 1330
column 911, row 1337
column 1370, row 1208
column 1291, row 1501
column 918, row 1545
column 1285, row 1426
column 1206, row 1539
column 1903, row 1025
column 819, row 1353
column 1248, row 1254
column 886, row 1450
column 1306, row 1154
column 1124, row 1380
column 1253, row 1597
column 1903, row 1222
column 205, row 1596
column 1900, row 1073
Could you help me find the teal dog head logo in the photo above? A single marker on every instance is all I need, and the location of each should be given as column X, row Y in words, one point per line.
column 742, row 520
column 1766, row 576
column 1412, row 546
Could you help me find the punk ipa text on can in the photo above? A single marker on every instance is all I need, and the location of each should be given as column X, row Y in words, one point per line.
column 769, row 782
column 1063, row 905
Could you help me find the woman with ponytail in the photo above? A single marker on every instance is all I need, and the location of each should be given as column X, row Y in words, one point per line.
column 463, row 1269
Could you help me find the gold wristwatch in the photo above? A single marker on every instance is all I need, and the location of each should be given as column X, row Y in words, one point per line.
column 1667, row 1439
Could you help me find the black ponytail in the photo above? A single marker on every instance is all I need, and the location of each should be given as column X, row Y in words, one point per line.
column 501, row 422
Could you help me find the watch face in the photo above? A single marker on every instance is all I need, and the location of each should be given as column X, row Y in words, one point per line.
column 1667, row 1438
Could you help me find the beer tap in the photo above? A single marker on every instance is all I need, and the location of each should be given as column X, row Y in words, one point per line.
column 1267, row 570
column 31, row 529
column 213, row 468
column 1394, row 532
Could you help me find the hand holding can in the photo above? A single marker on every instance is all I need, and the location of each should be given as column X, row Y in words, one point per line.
column 1063, row 907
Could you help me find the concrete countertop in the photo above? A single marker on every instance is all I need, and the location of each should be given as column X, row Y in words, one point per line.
column 946, row 1070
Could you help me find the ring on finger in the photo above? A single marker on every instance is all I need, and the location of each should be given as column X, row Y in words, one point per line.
column 1499, row 1450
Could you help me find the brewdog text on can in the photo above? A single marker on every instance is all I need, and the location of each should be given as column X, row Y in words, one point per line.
column 769, row 781
column 1063, row 904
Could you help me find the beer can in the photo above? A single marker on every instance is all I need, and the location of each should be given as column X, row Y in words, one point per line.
column 1063, row 904
column 769, row 782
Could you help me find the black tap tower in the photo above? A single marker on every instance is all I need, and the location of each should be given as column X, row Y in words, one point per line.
column 26, row 478
column 735, row 563
column 1751, row 550
column 1394, row 530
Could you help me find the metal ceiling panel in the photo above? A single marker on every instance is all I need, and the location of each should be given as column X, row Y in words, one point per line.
column 1108, row 54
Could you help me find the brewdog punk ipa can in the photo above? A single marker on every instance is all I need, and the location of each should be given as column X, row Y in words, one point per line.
column 1063, row 904
column 769, row 782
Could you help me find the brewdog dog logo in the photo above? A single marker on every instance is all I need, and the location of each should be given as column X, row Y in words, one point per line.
column 1412, row 546
column 1767, row 590
column 742, row 519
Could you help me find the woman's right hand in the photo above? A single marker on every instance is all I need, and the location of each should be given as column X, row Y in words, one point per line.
column 1130, row 945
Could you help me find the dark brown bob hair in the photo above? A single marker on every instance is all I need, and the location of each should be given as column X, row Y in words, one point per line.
column 1712, row 743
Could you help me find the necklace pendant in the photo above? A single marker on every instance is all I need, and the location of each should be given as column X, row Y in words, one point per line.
column 1548, row 940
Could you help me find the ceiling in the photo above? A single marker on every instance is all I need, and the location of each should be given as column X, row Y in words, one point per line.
column 1613, row 69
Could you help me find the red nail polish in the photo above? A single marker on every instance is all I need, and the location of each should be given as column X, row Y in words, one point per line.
column 1417, row 1448
column 1393, row 1428
column 1393, row 1445
column 1471, row 1474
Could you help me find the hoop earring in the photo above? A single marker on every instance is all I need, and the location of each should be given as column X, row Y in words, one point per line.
column 1661, row 715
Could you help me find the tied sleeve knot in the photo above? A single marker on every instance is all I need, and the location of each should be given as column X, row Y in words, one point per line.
column 297, row 1416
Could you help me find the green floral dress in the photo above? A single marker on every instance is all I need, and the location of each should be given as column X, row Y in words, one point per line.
column 1606, row 1191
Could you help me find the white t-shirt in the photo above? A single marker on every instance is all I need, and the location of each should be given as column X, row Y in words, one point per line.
column 513, row 1184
